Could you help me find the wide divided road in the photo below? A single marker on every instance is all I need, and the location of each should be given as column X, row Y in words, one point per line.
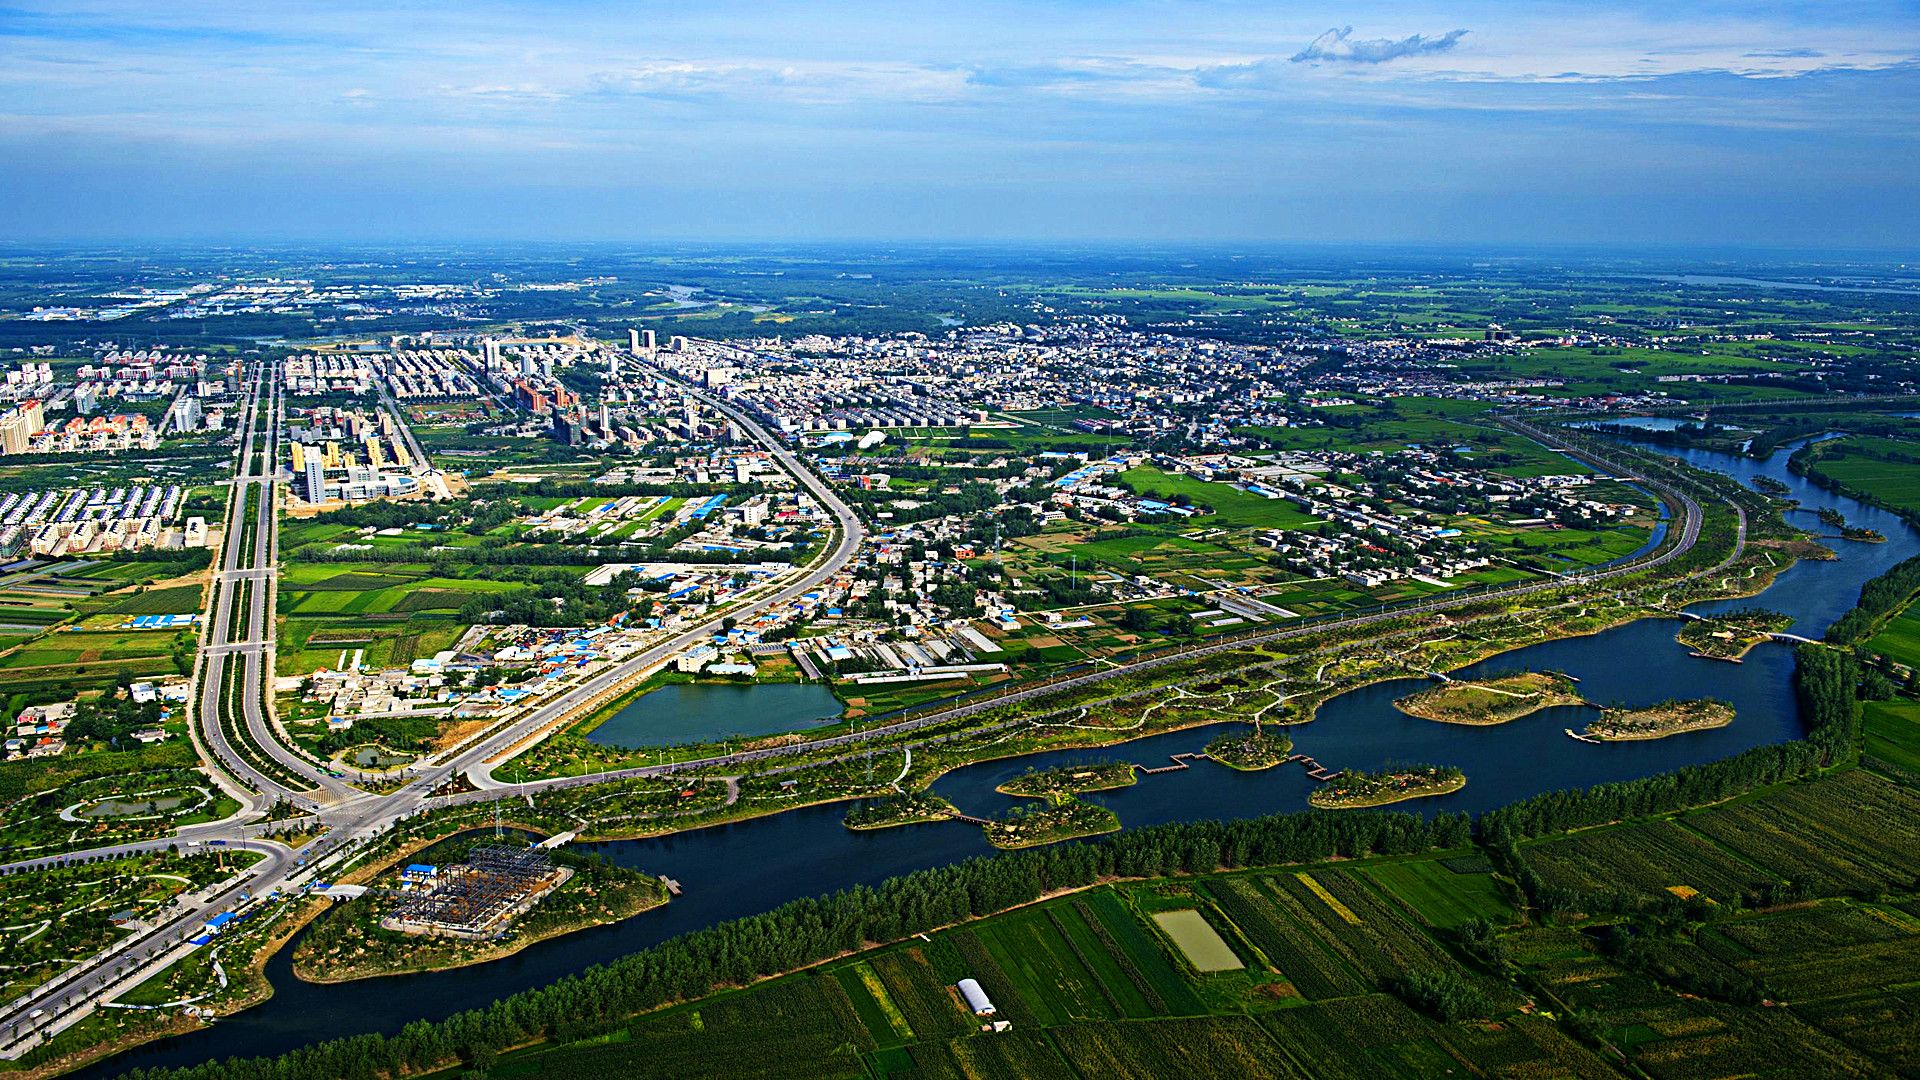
column 250, row 566
column 1683, row 510
column 351, row 816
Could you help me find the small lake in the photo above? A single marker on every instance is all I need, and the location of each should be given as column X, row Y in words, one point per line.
column 744, row 868
column 1644, row 423
column 705, row 712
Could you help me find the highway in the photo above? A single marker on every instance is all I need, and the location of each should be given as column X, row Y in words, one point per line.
column 350, row 816
column 1682, row 506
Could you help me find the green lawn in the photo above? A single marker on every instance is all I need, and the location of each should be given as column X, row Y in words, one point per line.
column 1232, row 508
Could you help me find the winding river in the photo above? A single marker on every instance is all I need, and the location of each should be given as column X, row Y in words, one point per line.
column 735, row 870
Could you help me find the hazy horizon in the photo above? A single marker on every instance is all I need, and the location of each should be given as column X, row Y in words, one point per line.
column 1557, row 125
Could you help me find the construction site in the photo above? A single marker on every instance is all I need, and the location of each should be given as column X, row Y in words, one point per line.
column 476, row 900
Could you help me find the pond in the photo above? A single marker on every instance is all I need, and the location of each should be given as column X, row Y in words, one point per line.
column 735, row 870
column 377, row 757
column 708, row 712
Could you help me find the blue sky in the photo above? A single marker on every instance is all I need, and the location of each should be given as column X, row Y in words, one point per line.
column 1536, row 123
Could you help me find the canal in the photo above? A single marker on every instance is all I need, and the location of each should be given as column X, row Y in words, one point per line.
column 736, row 870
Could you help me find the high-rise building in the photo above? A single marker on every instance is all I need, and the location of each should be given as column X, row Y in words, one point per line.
column 633, row 341
column 316, row 479
column 649, row 341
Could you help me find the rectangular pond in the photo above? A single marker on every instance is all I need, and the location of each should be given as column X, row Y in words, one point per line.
column 1204, row 947
column 682, row 713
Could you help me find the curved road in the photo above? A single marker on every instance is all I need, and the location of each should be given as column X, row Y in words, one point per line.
column 350, row 816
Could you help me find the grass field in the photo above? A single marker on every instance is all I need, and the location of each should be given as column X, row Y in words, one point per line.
column 1893, row 732
column 1899, row 641
column 1232, row 508
column 1442, row 896
column 1873, row 465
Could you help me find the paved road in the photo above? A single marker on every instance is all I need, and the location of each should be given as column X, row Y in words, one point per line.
column 1682, row 506
column 353, row 817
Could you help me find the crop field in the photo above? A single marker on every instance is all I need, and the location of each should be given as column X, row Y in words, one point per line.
column 1882, row 467
column 396, row 612
column 1854, row 831
column 173, row 600
column 1361, row 1038
column 1440, row 895
column 801, row 1028
column 1228, row 1047
column 1899, row 640
column 1654, row 857
column 1893, row 732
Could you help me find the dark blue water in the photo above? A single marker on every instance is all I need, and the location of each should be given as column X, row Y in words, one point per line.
column 737, row 870
column 682, row 713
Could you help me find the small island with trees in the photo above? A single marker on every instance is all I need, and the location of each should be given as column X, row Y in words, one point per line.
column 1063, row 781
column 1491, row 701
column 888, row 811
column 1658, row 721
column 1359, row 790
column 1250, row 751
column 1731, row 635
column 1058, row 819
column 1834, row 519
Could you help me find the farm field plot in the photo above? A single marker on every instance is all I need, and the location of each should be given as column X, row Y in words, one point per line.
column 801, row 1028
column 1823, row 952
column 1851, row 831
column 173, row 600
column 1360, row 1038
column 1893, row 732
column 1442, row 896
column 1659, row 856
column 1046, row 970
column 1871, row 464
column 1199, row 942
column 1228, row 1047
column 1012, row 1055
column 1899, row 640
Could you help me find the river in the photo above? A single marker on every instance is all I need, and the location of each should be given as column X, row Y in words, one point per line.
column 735, row 870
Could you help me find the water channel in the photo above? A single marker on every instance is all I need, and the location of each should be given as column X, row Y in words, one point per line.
column 735, row 870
